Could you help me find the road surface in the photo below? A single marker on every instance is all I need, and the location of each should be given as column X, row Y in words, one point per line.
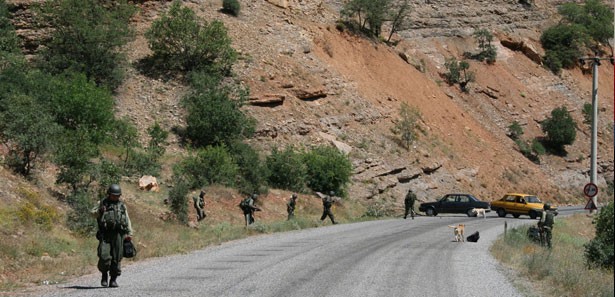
column 394, row 257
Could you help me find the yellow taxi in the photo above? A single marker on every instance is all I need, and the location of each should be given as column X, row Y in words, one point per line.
column 519, row 204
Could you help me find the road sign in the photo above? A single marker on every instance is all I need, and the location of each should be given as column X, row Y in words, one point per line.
column 590, row 190
column 590, row 204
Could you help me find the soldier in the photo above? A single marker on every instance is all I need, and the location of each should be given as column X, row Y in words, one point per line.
column 199, row 203
column 546, row 224
column 327, row 202
column 248, row 208
column 290, row 206
column 409, row 204
column 114, row 228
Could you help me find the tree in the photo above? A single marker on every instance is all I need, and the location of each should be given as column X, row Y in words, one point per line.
column 407, row 124
column 560, row 129
column 213, row 117
column 595, row 17
column 563, row 44
column 599, row 251
column 180, row 43
column 399, row 16
column 458, row 72
column 207, row 166
column 28, row 131
column 9, row 42
column 328, row 169
column 88, row 36
column 286, row 169
column 368, row 14
column 488, row 52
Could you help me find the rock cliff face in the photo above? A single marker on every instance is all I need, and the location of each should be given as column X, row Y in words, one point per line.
column 312, row 84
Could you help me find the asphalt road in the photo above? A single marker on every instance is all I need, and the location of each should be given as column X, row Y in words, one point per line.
column 379, row 258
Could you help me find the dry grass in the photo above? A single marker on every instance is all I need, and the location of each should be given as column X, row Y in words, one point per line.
column 561, row 271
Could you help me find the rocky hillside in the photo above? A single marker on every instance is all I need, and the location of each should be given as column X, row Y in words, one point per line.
column 312, row 84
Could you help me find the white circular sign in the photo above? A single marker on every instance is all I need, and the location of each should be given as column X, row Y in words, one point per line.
column 590, row 190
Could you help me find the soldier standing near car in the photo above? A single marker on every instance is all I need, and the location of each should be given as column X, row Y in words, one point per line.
column 114, row 228
column 199, row 203
column 290, row 206
column 409, row 204
column 248, row 207
column 546, row 224
column 327, row 202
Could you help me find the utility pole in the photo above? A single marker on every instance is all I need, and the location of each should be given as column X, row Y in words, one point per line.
column 595, row 61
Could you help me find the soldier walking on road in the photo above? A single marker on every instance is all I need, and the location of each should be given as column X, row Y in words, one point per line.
column 409, row 204
column 199, row 203
column 290, row 206
column 327, row 202
column 545, row 224
column 248, row 207
column 114, row 228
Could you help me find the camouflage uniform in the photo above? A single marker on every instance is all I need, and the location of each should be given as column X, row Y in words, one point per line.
column 409, row 204
column 199, row 203
column 248, row 208
column 290, row 206
column 327, row 202
column 546, row 224
column 114, row 227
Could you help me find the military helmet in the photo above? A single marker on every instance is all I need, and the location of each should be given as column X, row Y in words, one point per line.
column 294, row 195
column 202, row 194
column 254, row 196
column 114, row 189
column 546, row 206
column 331, row 193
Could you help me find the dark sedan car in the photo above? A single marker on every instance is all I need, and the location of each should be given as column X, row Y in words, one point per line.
column 454, row 203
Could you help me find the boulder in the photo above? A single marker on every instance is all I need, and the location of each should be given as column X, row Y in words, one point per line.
column 148, row 183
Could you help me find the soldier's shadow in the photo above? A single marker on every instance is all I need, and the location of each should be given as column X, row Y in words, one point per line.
column 83, row 287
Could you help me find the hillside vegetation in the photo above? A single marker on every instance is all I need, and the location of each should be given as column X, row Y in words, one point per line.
column 285, row 95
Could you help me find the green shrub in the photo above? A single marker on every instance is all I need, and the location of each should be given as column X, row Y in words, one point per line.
column 537, row 147
column 215, row 118
column 488, row 52
column 560, row 129
column 178, row 198
column 406, row 127
column 328, row 169
column 182, row 42
column 88, row 38
column 515, row 130
column 458, row 73
column 9, row 42
column 286, row 169
column 210, row 165
column 231, row 6
column 252, row 171
column 79, row 218
column 599, row 251
column 587, row 113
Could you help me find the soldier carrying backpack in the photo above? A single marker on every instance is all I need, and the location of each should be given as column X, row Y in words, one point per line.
column 114, row 228
column 248, row 207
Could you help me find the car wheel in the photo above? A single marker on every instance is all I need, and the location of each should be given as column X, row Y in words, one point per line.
column 471, row 213
column 501, row 213
column 533, row 215
column 431, row 212
column 516, row 216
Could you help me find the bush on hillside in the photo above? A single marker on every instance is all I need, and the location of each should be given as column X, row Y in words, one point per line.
column 79, row 218
column 9, row 42
column 252, row 171
column 458, row 73
column 182, row 42
column 587, row 113
column 407, row 126
column 563, row 45
column 231, row 7
column 178, row 199
column 599, row 251
column 515, row 130
column 207, row 166
column 88, row 38
column 328, row 169
column 488, row 52
column 286, row 169
column 560, row 130
column 214, row 118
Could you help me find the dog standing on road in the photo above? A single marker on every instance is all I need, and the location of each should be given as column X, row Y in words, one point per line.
column 458, row 231
column 480, row 211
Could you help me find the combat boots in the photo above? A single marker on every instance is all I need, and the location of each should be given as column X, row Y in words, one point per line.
column 103, row 281
column 113, row 282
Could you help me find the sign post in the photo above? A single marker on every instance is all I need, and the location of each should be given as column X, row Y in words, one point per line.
column 590, row 190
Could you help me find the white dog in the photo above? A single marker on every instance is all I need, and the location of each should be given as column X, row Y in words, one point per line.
column 480, row 211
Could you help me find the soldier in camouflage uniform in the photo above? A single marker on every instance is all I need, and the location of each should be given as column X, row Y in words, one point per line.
column 248, row 207
column 546, row 224
column 290, row 206
column 199, row 203
column 327, row 202
column 114, row 228
column 409, row 204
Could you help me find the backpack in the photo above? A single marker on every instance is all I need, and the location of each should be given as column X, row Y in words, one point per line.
column 245, row 203
column 474, row 237
column 114, row 217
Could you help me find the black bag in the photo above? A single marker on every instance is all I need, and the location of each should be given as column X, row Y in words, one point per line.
column 129, row 249
column 474, row 237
